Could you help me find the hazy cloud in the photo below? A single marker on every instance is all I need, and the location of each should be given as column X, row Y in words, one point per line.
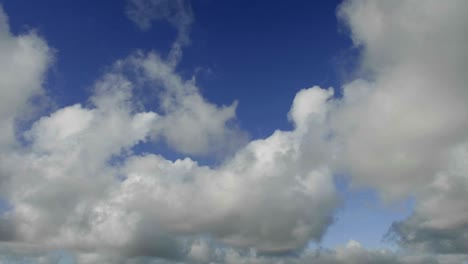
column 351, row 253
column 177, row 12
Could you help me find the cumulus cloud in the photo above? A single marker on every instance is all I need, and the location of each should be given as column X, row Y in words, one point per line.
column 399, row 124
column 401, row 129
column 76, row 183
column 66, row 194
column 184, row 108
column 268, row 196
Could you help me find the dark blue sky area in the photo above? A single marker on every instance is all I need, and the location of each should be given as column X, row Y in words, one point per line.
column 258, row 54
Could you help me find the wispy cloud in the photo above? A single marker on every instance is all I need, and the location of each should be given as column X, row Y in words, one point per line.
column 177, row 12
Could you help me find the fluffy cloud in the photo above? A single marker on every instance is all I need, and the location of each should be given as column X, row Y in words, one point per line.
column 25, row 58
column 399, row 125
column 403, row 130
column 76, row 184
column 183, row 109
column 65, row 193
column 268, row 196
column 52, row 181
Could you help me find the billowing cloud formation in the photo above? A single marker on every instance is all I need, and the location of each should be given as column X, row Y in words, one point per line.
column 404, row 131
column 399, row 126
column 76, row 184
column 66, row 194
column 401, row 129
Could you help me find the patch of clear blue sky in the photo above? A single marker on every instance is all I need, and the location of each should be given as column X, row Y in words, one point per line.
column 364, row 217
column 257, row 52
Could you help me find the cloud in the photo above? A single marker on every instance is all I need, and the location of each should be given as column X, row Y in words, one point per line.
column 25, row 59
column 190, row 124
column 402, row 129
column 398, row 124
column 65, row 193
column 351, row 253
column 76, row 184
column 177, row 12
column 440, row 222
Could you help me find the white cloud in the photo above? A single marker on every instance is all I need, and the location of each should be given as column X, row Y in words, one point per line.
column 77, row 185
column 402, row 131
column 25, row 59
column 309, row 103
column 66, row 195
column 190, row 124
column 177, row 12
column 398, row 126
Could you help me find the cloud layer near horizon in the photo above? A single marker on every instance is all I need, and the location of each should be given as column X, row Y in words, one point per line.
column 74, row 182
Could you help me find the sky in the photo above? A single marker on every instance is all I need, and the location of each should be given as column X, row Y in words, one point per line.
column 201, row 131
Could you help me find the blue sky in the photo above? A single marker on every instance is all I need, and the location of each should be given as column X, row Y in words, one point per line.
column 240, row 50
column 324, row 122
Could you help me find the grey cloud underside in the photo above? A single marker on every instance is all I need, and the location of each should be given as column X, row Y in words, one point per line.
column 405, row 131
column 77, row 185
column 401, row 124
column 352, row 253
column 439, row 223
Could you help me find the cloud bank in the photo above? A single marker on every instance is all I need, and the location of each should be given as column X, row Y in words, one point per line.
column 351, row 253
column 75, row 182
column 404, row 131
